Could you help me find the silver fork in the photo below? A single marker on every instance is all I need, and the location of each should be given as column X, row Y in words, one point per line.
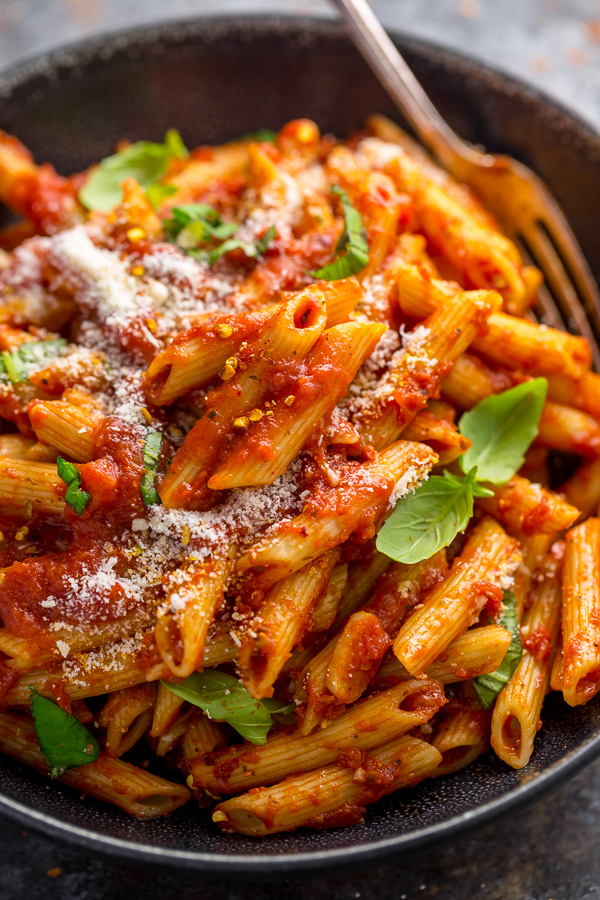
column 519, row 200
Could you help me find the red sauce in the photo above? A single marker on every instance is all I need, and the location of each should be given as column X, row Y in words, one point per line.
column 535, row 520
column 8, row 679
column 114, row 482
column 538, row 644
column 348, row 814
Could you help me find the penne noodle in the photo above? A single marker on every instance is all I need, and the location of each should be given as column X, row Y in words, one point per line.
column 133, row 790
column 461, row 737
column 312, row 800
column 475, row 652
column 365, row 725
column 527, row 508
column 126, row 715
column 198, row 355
column 430, row 351
column 312, row 533
column 290, row 332
column 195, row 594
column 490, row 557
column 30, row 487
column 582, row 489
column 331, row 366
column 324, row 613
column 580, row 602
column 70, row 429
column 516, row 715
column 280, row 623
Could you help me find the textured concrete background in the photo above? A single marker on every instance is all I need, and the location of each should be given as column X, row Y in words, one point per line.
column 549, row 852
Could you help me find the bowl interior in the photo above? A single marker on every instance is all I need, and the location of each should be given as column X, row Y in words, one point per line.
column 213, row 80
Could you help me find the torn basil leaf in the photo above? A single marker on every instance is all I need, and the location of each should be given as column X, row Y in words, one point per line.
column 501, row 429
column 145, row 161
column 65, row 743
column 352, row 244
column 75, row 496
column 428, row 519
column 17, row 365
column 251, row 249
column 487, row 687
column 224, row 699
column 152, row 446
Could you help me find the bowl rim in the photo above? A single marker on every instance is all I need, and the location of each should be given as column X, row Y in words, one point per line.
column 250, row 866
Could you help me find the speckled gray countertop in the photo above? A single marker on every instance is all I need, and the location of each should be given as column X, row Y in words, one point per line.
column 549, row 852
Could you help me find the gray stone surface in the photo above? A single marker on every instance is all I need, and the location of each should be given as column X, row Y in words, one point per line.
column 548, row 852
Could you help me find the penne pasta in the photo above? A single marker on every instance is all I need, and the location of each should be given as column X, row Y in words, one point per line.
column 517, row 711
column 312, row 800
column 386, row 715
column 490, row 556
column 580, row 600
column 112, row 780
column 250, row 369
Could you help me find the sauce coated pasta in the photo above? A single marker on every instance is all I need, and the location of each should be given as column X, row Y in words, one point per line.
column 279, row 533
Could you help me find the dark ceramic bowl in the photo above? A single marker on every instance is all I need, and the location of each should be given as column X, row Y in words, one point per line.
column 215, row 79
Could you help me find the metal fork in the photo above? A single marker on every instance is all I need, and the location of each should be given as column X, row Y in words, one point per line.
column 520, row 201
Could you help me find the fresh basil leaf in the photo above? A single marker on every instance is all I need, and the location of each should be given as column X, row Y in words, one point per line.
column 285, row 715
column 12, row 366
column 193, row 224
column 429, row 519
column 250, row 249
column 65, row 743
column 158, row 192
column 75, row 496
column 487, row 687
column 152, row 446
column 174, row 144
column 145, row 161
column 353, row 241
column 224, row 699
column 501, row 428
column 17, row 365
column 263, row 243
column 262, row 136
column 480, row 490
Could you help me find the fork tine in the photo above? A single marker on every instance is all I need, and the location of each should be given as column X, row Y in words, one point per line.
column 545, row 308
column 574, row 262
column 560, row 284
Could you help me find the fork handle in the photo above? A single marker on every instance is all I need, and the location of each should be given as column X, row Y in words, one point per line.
column 394, row 74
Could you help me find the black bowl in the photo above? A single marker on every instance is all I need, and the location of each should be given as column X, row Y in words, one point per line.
column 215, row 79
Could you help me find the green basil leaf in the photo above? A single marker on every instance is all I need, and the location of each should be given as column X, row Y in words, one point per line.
column 501, row 429
column 193, row 224
column 224, row 699
column 353, row 241
column 429, row 519
column 174, row 144
column 13, row 367
column 65, row 743
column 250, row 249
column 152, row 446
column 145, row 161
column 286, row 715
column 158, row 192
column 487, row 687
column 75, row 496
column 262, row 136
column 262, row 244
column 17, row 365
